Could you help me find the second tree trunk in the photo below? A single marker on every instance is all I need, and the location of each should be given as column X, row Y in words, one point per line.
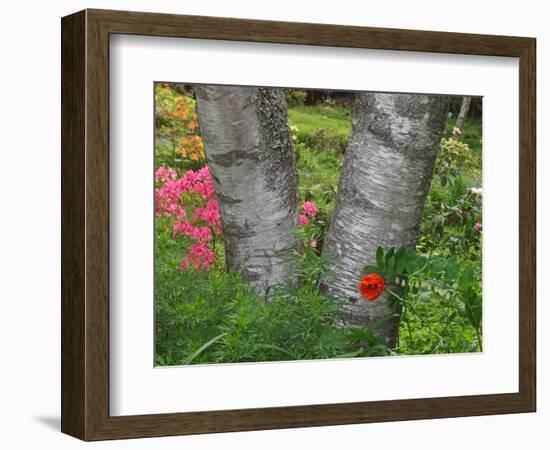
column 385, row 178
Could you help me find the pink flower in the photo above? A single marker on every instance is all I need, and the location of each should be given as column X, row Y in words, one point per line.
column 313, row 244
column 199, row 256
column 309, row 208
column 303, row 220
column 478, row 226
column 198, row 233
column 165, row 173
column 193, row 190
column 211, row 213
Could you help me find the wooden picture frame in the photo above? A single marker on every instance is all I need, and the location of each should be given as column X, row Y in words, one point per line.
column 85, row 224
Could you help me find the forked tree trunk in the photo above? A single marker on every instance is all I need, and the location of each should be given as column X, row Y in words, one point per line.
column 251, row 158
column 385, row 178
column 464, row 110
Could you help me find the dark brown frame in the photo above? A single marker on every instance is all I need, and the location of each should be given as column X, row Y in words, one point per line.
column 85, row 224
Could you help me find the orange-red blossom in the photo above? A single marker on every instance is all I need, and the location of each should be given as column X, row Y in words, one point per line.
column 371, row 286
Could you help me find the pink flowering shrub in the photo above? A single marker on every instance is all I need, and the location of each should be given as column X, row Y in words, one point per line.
column 190, row 202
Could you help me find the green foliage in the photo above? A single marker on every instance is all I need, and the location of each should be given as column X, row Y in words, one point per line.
column 449, row 221
column 326, row 140
column 295, row 97
column 447, row 165
column 469, row 144
column 440, row 299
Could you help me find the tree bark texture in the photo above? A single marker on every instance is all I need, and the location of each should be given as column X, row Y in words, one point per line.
column 251, row 158
column 383, row 186
column 463, row 113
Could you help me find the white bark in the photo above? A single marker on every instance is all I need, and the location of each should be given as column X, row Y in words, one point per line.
column 383, row 186
column 251, row 158
column 464, row 110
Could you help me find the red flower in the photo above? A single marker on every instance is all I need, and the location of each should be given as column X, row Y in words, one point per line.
column 371, row 286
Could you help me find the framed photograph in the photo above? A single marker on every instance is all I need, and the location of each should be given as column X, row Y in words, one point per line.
column 273, row 225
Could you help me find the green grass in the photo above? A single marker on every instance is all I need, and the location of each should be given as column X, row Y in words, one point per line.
column 309, row 119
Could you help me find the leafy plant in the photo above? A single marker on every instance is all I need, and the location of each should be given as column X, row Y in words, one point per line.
column 454, row 284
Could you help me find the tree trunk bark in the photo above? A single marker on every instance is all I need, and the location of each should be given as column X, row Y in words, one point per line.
column 385, row 178
column 464, row 110
column 251, row 158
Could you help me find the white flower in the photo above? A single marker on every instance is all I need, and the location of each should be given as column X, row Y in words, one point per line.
column 477, row 191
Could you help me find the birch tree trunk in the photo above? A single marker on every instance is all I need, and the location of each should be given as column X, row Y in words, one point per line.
column 252, row 161
column 464, row 110
column 385, row 178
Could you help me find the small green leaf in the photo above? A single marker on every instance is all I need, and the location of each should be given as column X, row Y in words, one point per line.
column 351, row 354
column 400, row 260
column 276, row 348
column 372, row 269
column 451, row 270
column 437, row 265
column 380, row 258
column 421, row 262
column 467, row 278
column 411, row 262
column 473, row 307
column 196, row 353
column 377, row 350
column 390, row 260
